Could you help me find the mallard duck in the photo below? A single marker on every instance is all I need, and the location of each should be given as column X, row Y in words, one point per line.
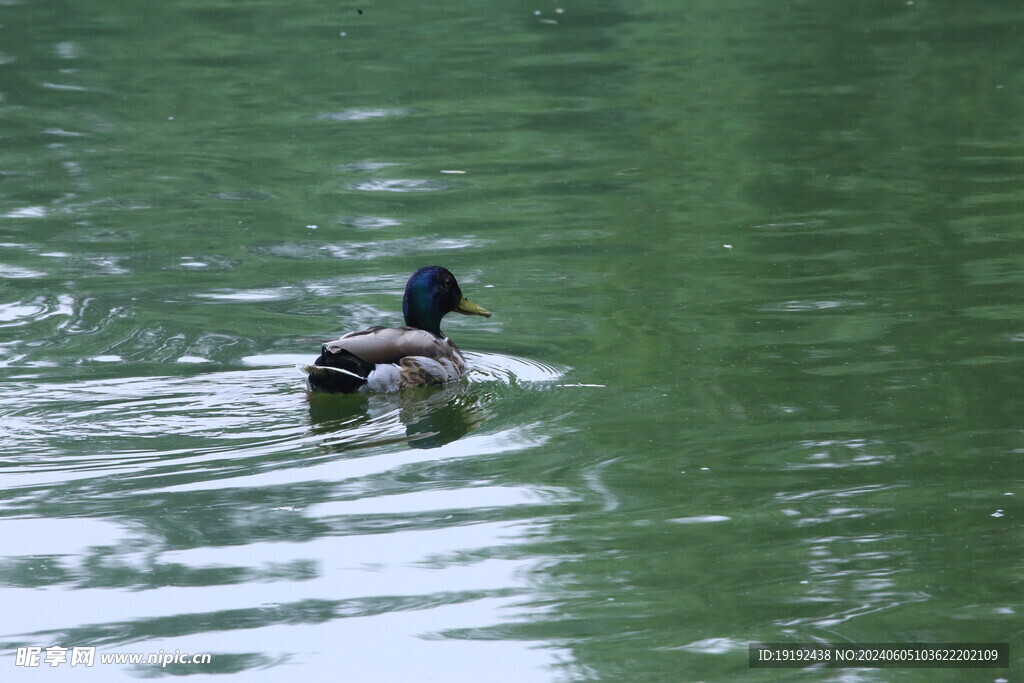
column 392, row 358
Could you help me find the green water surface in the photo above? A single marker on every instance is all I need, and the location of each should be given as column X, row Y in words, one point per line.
column 754, row 373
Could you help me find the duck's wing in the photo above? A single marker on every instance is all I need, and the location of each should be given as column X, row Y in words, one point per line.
column 420, row 371
column 391, row 344
column 385, row 359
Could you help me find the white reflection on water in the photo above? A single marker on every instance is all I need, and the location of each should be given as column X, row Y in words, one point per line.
column 302, row 523
column 363, row 250
column 357, row 566
column 361, row 114
column 283, row 293
column 414, row 245
column 421, row 501
column 22, row 311
column 369, row 222
column 52, row 536
column 400, row 185
column 9, row 272
column 27, row 212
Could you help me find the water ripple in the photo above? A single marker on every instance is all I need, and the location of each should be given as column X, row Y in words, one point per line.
column 27, row 212
column 366, row 250
column 361, row 114
column 797, row 306
column 20, row 313
column 369, row 222
column 113, row 422
column 491, row 367
column 400, row 185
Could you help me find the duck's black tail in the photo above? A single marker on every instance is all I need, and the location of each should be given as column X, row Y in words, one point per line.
column 337, row 373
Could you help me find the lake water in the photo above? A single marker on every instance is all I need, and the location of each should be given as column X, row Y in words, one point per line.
column 754, row 372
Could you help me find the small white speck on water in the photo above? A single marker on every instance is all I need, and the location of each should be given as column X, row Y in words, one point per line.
column 727, row 246
column 343, row 34
column 311, row 227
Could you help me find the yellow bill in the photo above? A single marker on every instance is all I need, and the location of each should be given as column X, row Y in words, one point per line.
column 469, row 308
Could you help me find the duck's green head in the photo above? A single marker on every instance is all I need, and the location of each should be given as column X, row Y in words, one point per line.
column 430, row 294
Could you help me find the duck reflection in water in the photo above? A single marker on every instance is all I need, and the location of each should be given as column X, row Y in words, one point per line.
column 430, row 416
